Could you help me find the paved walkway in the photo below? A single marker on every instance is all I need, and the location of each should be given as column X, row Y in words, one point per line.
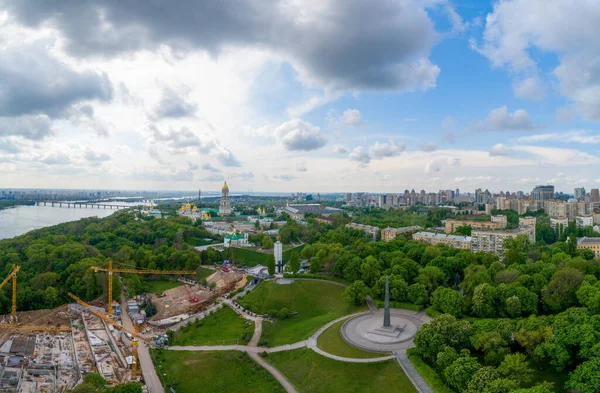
column 411, row 372
column 287, row 385
column 257, row 332
column 371, row 304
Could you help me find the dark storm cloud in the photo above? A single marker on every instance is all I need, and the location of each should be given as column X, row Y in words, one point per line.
column 335, row 44
column 32, row 82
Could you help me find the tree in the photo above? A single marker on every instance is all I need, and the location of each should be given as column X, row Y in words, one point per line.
column 493, row 345
column 484, row 303
column 447, row 301
column 561, row 292
column 370, row 270
column 444, row 331
column 572, row 244
column 417, row 294
column 586, row 377
column 51, row 296
column 267, row 242
column 459, row 373
column 464, row 230
column 96, row 380
column 516, row 367
column 431, row 277
column 294, row 264
column 271, row 264
column 482, row 379
column 356, row 293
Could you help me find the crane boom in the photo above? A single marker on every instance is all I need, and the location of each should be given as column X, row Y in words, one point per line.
column 109, row 320
column 110, row 272
column 11, row 275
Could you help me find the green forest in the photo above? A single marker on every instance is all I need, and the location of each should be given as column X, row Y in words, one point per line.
column 56, row 260
column 499, row 326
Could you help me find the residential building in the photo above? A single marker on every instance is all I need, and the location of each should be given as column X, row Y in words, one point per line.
column 500, row 219
column 559, row 225
column 432, row 238
column 580, row 194
column 527, row 221
column 594, row 195
column 388, row 234
column 542, row 193
column 596, row 218
column 382, row 200
column 590, row 243
column 452, row 224
column 493, row 241
column 368, row 229
column 584, row 221
column 325, row 220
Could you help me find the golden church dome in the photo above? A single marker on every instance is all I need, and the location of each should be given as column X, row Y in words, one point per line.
column 225, row 187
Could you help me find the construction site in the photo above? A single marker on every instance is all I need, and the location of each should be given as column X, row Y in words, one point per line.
column 49, row 351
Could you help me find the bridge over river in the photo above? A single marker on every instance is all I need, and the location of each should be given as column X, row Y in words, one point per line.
column 81, row 205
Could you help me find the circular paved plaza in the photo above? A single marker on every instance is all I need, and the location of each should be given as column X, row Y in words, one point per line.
column 367, row 332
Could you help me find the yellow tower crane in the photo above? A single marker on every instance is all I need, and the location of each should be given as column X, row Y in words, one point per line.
column 13, row 276
column 134, row 333
column 110, row 272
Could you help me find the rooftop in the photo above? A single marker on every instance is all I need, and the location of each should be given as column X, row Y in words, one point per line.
column 434, row 235
column 588, row 240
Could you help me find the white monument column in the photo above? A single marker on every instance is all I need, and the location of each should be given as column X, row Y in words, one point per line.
column 278, row 251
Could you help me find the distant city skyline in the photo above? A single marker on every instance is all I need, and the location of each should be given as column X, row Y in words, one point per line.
column 286, row 96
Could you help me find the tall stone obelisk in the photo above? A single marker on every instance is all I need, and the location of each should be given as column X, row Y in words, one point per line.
column 386, row 310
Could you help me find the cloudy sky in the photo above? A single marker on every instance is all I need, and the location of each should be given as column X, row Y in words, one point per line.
column 300, row 95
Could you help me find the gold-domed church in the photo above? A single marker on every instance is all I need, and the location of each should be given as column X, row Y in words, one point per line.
column 225, row 205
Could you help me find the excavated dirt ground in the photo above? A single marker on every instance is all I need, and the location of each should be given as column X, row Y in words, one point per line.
column 39, row 317
column 176, row 301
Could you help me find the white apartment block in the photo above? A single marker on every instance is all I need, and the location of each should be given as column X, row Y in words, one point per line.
column 584, row 221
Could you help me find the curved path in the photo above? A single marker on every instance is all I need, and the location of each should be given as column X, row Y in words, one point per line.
column 311, row 343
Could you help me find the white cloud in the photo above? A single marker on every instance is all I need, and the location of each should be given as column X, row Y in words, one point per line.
column 56, row 158
column 392, row 148
column 95, row 157
column 500, row 149
column 298, row 135
column 458, row 26
column 284, row 177
column 529, row 89
column 428, row 146
column 500, row 119
column 350, row 118
column 208, row 167
column 301, row 167
column 511, row 36
column 438, row 164
column 574, row 136
column 339, row 149
column 358, row 154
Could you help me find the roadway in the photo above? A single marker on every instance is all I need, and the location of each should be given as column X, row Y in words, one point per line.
column 145, row 361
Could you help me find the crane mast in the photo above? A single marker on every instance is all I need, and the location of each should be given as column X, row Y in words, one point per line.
column 110, row 272
column 107, row 319
column 13, row 276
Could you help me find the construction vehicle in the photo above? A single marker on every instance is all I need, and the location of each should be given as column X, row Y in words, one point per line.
column 193, row 299
column 13, row 276
column 107, row 319
column 110, row 272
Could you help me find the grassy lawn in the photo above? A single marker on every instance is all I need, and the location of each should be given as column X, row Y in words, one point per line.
column 159, row 286
column 224, row 327
column 332, row 342
column 203, row 273
column 313, row 373
column 213, row 372
column 316, row 303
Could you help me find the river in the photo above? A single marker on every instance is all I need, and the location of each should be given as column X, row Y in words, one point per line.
column 22, row 219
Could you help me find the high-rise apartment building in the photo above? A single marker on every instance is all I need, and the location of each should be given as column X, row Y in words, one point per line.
column 580, row 194
column 594, row 195
column 542, row 193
